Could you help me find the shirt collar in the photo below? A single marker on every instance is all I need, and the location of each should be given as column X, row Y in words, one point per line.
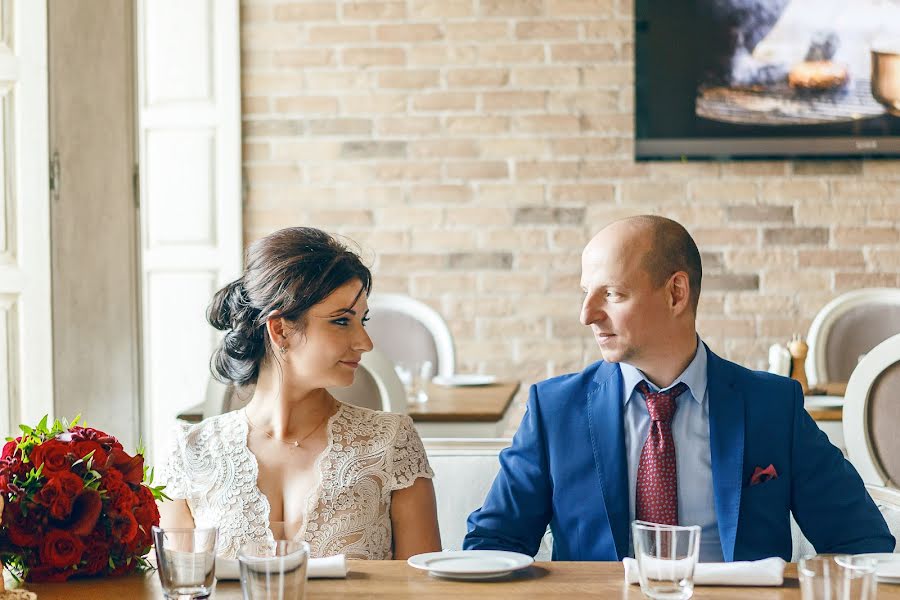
column 694, row 376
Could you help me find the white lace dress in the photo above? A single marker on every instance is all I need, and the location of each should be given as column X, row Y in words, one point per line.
column 368, row 455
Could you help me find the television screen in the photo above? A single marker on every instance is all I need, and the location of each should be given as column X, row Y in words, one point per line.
column 767, row 78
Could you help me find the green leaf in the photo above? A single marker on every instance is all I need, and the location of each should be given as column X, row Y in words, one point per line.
column 42, row 426
column 158, row 493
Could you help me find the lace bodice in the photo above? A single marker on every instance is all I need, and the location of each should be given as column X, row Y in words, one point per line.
column 368, row 455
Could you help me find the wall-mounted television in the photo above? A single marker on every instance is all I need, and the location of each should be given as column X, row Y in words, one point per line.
column 766, row 78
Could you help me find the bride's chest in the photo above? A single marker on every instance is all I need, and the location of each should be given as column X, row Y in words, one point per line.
column 288, row 478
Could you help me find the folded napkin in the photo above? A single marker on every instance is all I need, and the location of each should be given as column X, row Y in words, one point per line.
column 766, row 572
column 327, row 566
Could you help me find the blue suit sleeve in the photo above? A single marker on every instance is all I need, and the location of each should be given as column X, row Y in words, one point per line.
column 829, row 500
column 518, row 506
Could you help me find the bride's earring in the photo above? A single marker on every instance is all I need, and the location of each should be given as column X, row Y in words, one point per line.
column 283, row 350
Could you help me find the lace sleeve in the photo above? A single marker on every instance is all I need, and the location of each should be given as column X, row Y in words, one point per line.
column 174, row 472
column 409, row 461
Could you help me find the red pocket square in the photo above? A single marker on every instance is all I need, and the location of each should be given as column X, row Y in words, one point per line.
column 761, row 475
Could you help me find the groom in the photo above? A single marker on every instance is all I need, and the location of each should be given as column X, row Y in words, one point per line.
column 663, row 430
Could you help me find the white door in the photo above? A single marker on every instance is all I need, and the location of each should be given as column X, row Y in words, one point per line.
column 26, row 344
column 189, row 121
column 95, row 292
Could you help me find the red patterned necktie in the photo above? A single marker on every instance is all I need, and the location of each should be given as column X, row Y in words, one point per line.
column 657, row 484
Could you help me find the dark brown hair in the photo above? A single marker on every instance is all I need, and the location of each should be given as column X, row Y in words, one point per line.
column 288, row 271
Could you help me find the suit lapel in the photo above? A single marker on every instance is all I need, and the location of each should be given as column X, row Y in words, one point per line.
column 726, row 445
column 604, row 414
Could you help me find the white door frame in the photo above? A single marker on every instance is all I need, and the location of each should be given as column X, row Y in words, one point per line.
column 189, row 136
column 26, row 341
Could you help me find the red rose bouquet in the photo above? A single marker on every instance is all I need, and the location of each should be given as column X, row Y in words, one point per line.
column 75, row 504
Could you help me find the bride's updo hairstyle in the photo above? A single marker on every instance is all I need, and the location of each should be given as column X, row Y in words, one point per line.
column 288, row 271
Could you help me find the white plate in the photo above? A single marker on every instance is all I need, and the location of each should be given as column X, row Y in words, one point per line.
column 459, row 380
column 823, row 402
column 888, row 569
column 470, row 564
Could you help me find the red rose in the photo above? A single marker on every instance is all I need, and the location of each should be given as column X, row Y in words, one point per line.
column 10, row 448
column 19, row 530
column 120, row 495
column 47, row 574
column 96, row 555
column 108, row 442
column 61, row 549
column 83, row 448
column 123, row 526
column 131, row 467
column 146, row 512
column 54, row 455
column 59, row 493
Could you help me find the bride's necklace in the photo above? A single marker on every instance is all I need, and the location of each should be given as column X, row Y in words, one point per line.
column 295, row 443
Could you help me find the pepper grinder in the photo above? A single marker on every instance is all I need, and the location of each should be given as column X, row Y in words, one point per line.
column 799, row 349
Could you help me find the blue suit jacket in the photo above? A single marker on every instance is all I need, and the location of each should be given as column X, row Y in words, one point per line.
column 567, row 467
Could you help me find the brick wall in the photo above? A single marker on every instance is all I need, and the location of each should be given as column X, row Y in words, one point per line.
column 473, row 146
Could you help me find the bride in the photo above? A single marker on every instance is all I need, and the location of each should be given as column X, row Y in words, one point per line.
column 347, row 479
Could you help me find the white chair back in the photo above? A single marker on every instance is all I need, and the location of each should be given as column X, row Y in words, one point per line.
column 872, row 413
column 886, row 499
column 407, row 330
column 848, row 327
column 888, row 502
column 464, row 470
column 375, row 386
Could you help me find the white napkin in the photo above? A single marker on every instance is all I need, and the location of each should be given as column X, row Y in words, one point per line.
column 327, row 566
column 766, row 572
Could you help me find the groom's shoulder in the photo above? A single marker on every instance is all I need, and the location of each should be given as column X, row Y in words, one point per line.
column 574, row 385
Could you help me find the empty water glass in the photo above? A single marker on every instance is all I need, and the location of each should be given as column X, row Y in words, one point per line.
column 186, row 559
column 415, row 376
column 274, row 571
column 842, row 577
column 666, row 556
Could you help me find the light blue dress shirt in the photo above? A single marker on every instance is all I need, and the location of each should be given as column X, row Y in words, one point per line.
column 690, row 429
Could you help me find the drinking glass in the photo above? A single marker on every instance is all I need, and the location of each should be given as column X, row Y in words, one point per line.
column 842, row 577
column 274, row 572
column 415, row 376
column 666, row 557
column 186, row 559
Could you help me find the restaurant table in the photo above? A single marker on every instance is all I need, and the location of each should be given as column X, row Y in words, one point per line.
column 825, row 401
column 395, row 580
column 464, row 411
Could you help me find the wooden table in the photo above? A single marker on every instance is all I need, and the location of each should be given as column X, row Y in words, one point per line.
column 396, row 580
column 831, row 391
column 464, row 411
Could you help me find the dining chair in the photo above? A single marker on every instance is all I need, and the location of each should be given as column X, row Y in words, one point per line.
column 888, row 502
column 407, row 331
column 848, row 327
column 872, row 414
column 375, row 386
column 886, row 499
column 464, row 469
